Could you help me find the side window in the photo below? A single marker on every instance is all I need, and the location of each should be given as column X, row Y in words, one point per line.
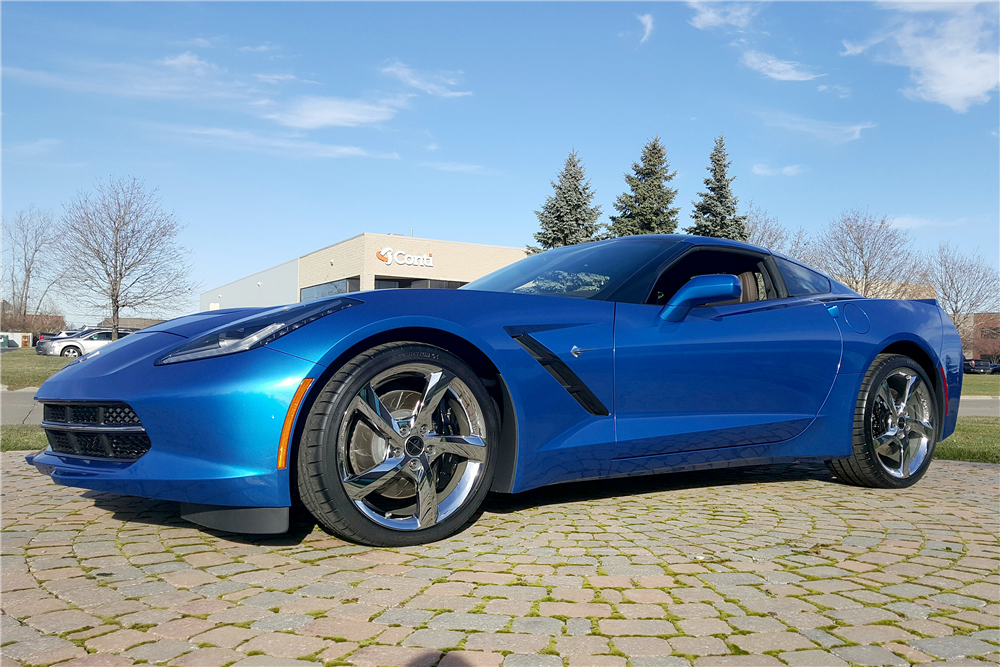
column 801, row 281
column 104, row 335
column 750, row 269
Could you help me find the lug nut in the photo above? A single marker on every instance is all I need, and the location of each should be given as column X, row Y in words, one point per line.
column 414, row 464
column 430, row 451
column 424, row 429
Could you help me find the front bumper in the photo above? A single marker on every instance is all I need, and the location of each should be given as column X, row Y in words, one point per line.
column 214, row 424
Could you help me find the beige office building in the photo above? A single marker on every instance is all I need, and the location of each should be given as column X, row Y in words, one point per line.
column 364, row 262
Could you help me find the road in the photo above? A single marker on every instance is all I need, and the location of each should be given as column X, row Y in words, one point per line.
column 765, row 567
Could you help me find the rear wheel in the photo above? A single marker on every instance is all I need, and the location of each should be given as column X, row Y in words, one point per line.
column 895, row 426
column 398, row 448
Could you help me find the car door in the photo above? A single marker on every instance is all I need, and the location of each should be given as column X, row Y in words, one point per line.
column 752, row 372
column 96, row 341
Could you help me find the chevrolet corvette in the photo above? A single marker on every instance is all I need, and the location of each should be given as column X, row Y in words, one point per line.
column 391, row 414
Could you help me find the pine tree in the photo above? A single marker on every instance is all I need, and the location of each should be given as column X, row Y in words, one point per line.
column 715, row 215
column 646, row 209
column 567, row 218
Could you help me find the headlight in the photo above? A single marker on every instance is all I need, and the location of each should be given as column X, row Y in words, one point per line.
column 253, row 332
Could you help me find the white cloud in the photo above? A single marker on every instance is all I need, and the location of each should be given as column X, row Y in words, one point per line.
column 275, row 78
column 716, row 15
column 917, row 222
column 836, row 133
column 843, row 92
column 284, row 146
column 953, row 59
column 196, row 43
column 790, row 170
column 782, row 70
column 431, row 147
column 263, row 48
column 458, row 167
column 433, row 84
column 177, row 77
column 310, row 113
column 189, row 62
column 647, row 23
column 31, row 148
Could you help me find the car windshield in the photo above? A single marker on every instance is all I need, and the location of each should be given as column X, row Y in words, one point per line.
column 585, row 271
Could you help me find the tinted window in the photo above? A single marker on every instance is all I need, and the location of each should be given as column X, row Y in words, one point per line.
column 334, row 288
column 801, row 281
column 585, row 271
column 748, row 268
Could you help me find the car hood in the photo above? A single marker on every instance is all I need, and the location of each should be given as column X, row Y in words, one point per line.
column 192, row 325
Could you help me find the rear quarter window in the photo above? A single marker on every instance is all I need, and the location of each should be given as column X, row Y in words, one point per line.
column 801, row 281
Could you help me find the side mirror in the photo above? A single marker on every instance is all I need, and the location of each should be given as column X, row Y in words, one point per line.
column 699, row 291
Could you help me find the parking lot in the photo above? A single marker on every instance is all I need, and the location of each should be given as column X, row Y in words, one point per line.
column 757, row 567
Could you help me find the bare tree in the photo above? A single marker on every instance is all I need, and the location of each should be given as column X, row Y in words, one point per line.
column 764, row 230
column 29, row 271
column 866, row 253
column 121, row 253
column 965, row 285
column 988, row 344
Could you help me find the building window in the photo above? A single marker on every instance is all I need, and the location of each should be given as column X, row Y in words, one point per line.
column 416, row 283
column 334, row 288
column 990, row 332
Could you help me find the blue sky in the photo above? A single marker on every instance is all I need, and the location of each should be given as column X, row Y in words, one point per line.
column 272, row 130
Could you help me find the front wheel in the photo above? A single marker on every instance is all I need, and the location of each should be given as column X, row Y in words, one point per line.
column 399, row 447
column 895, row 426
column 71, row 352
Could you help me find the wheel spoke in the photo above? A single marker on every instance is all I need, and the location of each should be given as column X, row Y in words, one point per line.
column 438, row 384
column 470, row 447
column 909, row 394
column 906, row 455
column 368, row 404
column 924, row 428
column 359, row 486
column 883, row 444
column 427, row 503
column 884, row 395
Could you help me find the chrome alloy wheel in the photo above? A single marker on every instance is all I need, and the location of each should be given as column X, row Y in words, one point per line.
column 901, row 423
column 411, row 446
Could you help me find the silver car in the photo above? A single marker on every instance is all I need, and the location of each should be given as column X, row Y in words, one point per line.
column 82, row 343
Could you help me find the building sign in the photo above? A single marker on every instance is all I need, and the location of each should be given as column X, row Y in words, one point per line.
column 400, row 257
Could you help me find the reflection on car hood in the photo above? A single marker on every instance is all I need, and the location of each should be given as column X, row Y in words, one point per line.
column 192, row 325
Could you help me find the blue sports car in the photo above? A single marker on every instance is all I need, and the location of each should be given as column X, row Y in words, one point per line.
column 390, row 414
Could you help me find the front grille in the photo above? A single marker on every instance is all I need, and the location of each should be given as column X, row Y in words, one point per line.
column 106, row 414
column 95, row 430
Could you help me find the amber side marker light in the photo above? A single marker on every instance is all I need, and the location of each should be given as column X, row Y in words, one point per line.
column 286, row 430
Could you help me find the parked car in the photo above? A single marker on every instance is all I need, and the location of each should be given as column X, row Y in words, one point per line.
column 44, row 346
column 994, row 369
column 979, row 366
column 392, row 413
column 80, row 343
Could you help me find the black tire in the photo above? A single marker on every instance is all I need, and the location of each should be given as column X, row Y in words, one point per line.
column 326, row 457
column 871, row 464
column 70, row 352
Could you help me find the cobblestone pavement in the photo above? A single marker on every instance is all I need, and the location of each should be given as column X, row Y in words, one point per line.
column 763, row 566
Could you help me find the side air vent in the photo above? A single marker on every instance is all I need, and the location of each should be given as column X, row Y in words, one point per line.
column 563, row 374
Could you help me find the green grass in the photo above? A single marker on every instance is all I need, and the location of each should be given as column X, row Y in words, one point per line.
column 980, row 385
column 21, row 437
column 974, row 439
column 24, row 368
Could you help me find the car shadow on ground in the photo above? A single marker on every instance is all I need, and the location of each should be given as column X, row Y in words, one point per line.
column 166, row 514
column 501, row 503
